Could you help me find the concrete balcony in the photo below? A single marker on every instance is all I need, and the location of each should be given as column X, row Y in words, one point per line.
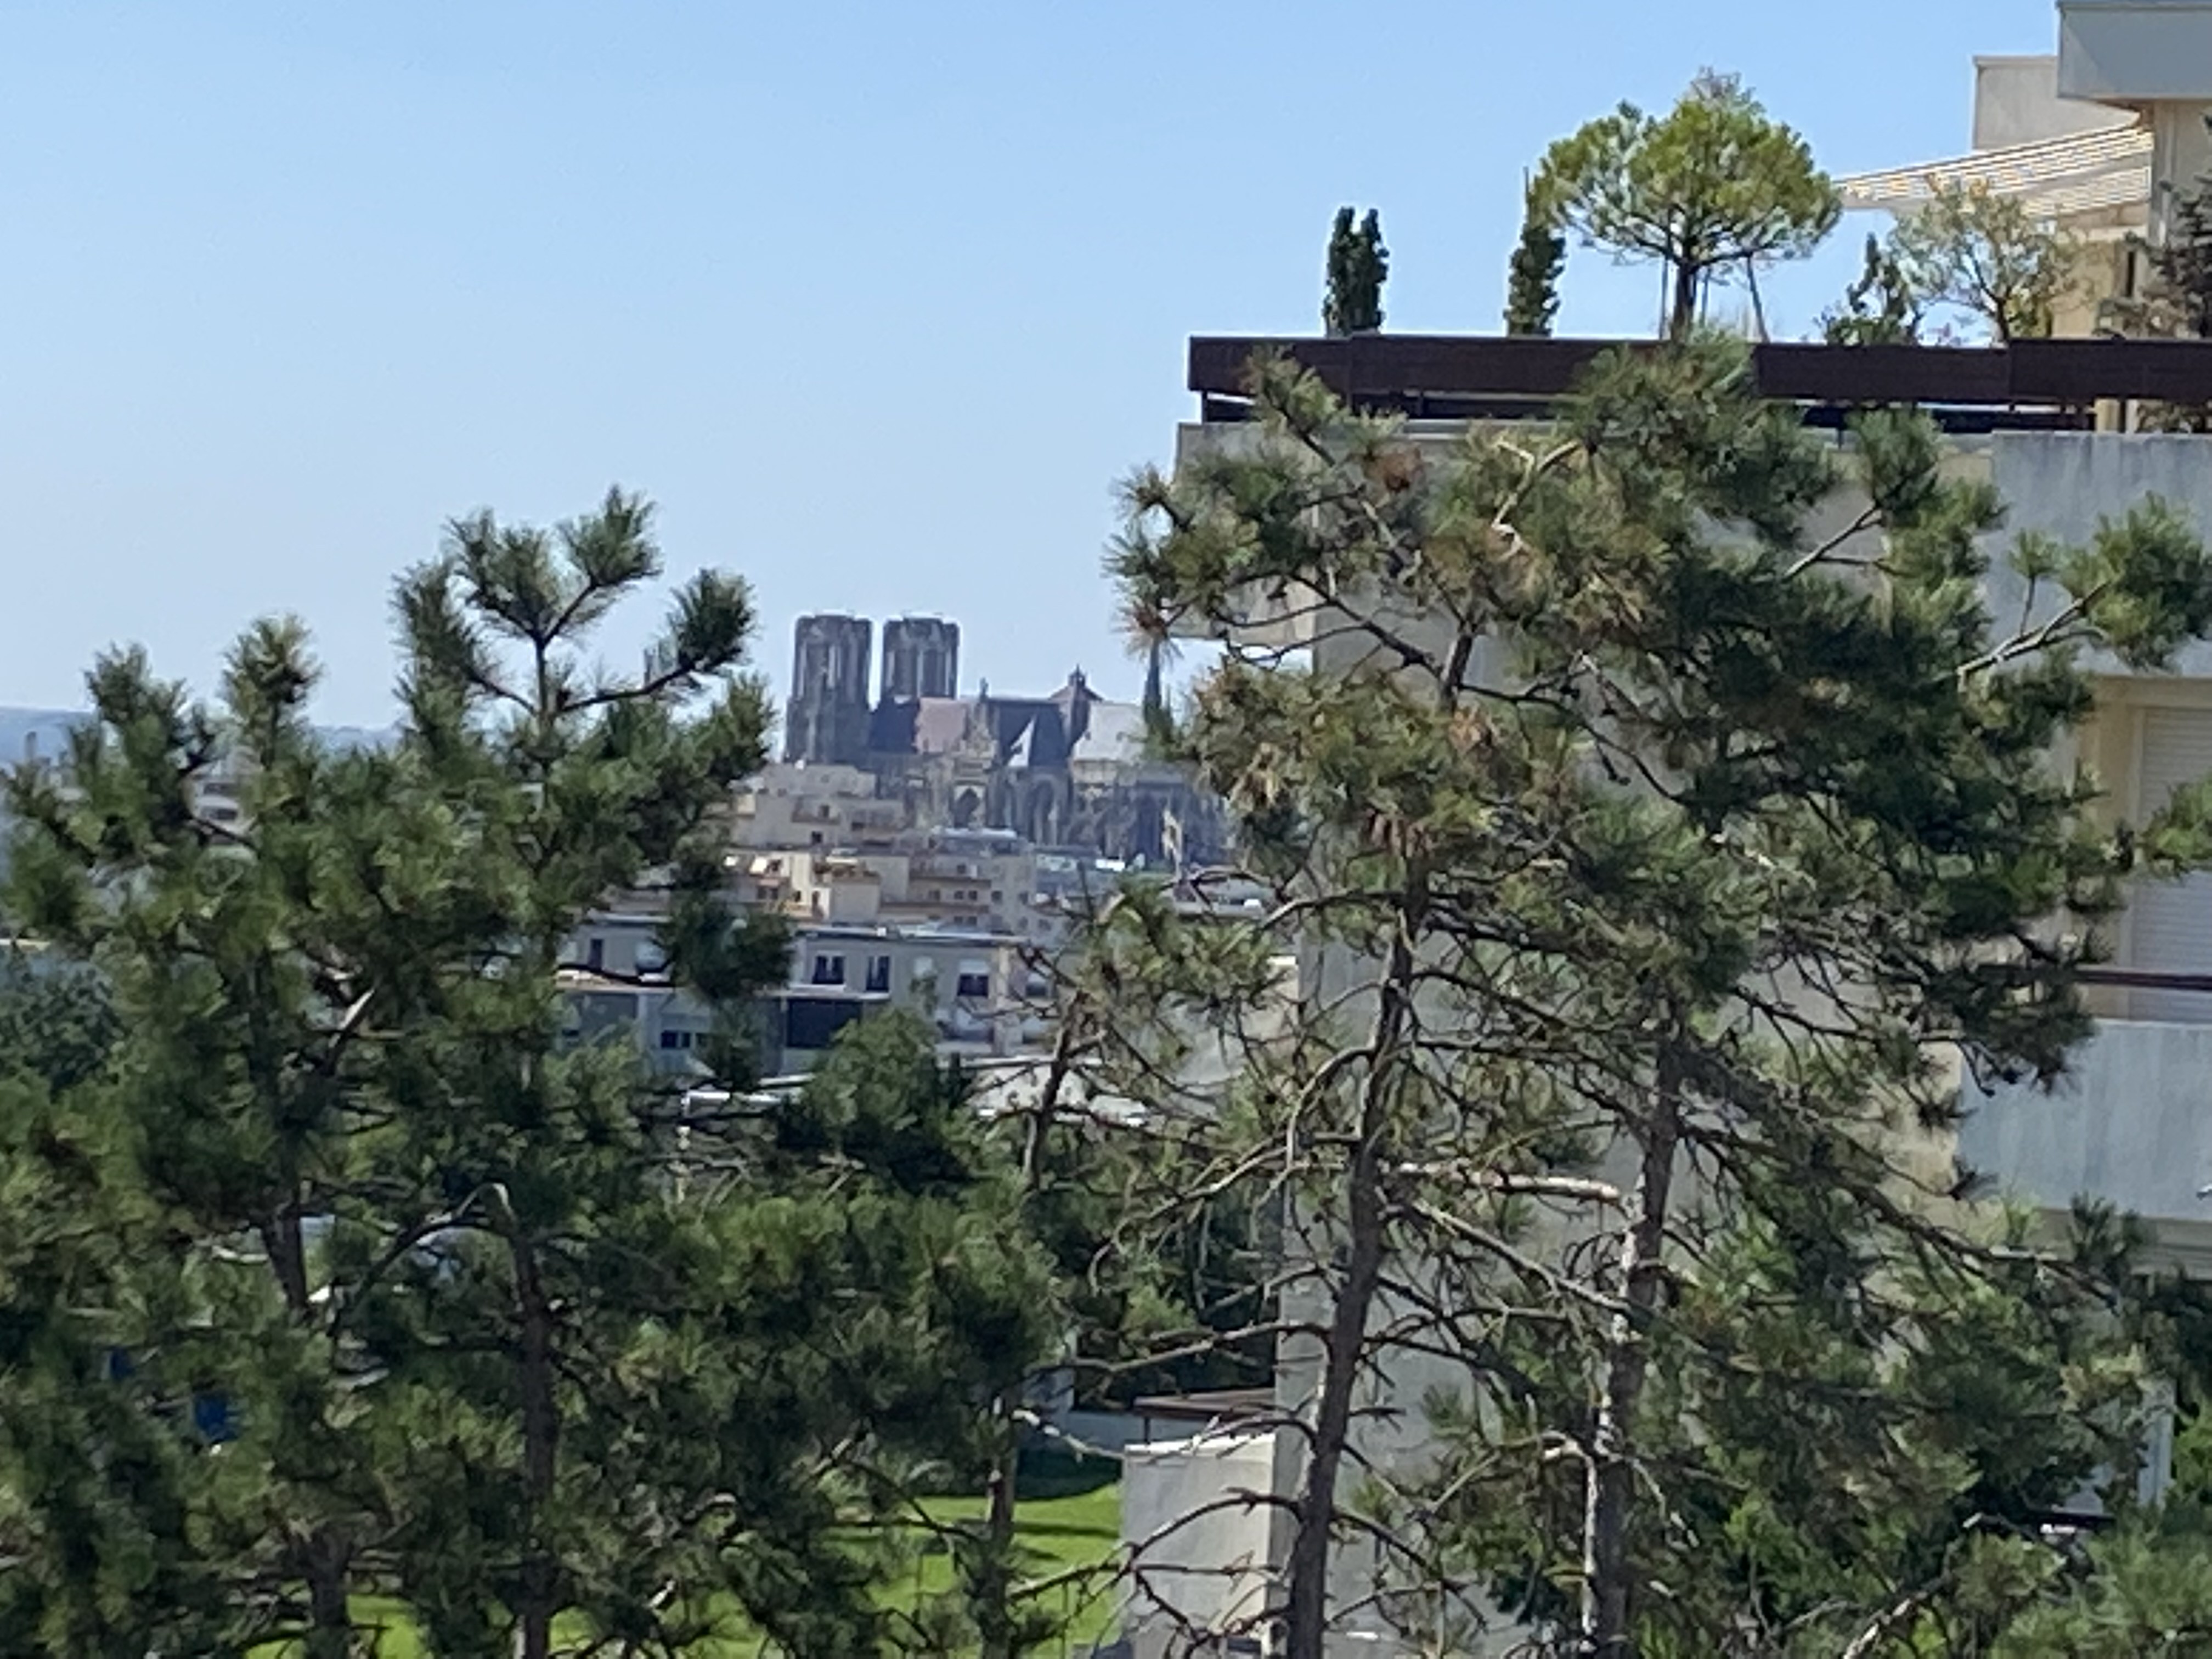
column 2135, row 52
column 2131, row 1124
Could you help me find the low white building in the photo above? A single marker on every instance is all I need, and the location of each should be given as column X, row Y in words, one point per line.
column 1195, row 1514
column 980, row 989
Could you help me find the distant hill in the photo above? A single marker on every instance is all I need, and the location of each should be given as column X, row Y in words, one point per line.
column 44, row 731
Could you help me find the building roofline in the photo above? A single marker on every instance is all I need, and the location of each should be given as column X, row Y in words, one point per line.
column 861, row 931
column 2102, row 166
column 2029, row 385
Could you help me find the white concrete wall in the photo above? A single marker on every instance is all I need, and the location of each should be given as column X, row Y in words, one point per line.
column 1200, row 1552
column 2065, row 484
column 2016, row 101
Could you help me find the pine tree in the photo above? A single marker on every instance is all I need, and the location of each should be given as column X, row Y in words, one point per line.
column 57, row 1021
column 1987, row 256
column 1709, row 189
column 1358, row 265
column 1532, row 291
column 493, row 1324
column 1643, row 860
column 2182, row 262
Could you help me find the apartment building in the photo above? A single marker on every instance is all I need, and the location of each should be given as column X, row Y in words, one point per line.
column 2101, row 138
column 979, row 988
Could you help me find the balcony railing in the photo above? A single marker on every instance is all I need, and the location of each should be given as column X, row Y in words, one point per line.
column 2127, row 1124
column 2029, row 385
column 2146, row 979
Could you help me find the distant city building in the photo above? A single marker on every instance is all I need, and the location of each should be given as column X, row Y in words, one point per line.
column 798, row 804
column 929, row 850
column 979, row 987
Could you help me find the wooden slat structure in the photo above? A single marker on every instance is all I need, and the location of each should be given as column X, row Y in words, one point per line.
column 2029, row 384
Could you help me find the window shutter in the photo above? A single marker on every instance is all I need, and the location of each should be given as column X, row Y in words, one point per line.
column 2171, row 922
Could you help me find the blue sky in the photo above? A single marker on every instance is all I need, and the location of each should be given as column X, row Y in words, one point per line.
column 876, row 300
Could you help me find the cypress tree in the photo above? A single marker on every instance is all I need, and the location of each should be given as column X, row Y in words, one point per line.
column 1358, row 265
column 1878, row 308
column 1532, row 291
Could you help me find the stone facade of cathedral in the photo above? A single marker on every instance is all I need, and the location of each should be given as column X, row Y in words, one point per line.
column 1068, row 770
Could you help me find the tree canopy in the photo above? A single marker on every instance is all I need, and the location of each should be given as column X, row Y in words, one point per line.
column 1986, row 255
column 1713, row 189
column 356, row 1288
column 1650, row 857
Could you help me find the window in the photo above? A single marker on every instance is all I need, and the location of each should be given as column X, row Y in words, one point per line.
column 810, row 1023
column 677, row 1039
column 595, row 955
column 879, row 973
column 829, row 970
column 974, row 981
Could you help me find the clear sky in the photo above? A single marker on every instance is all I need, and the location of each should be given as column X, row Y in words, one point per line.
column 876, row 300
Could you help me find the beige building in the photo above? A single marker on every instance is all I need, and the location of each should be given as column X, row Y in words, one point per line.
column 800, row 805
column 2097, row 138
column 959, row 878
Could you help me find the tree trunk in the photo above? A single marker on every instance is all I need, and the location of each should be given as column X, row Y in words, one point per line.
column 992, row 1595
column 541, row 1429
column 1306, row 1612
column 323, row 1556
column 1306, row 1598
column 285, row 1242
column 995, row 1613
column 1609, row 1484
column 1682, row 315
column 330, row 1612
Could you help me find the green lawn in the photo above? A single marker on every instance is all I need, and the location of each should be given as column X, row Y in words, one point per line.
column 1078, row 1529
column 1077, row 1525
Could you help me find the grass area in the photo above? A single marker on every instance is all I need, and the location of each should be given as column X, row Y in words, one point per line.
column 1078, row 1529
column 1069, row 1517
